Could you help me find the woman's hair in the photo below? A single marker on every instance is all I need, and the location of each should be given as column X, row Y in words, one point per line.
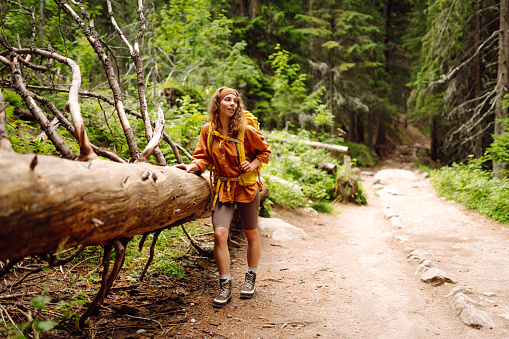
column 237, row 120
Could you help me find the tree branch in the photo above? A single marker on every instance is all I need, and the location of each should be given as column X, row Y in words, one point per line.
column 135, row 55
column 5, row 143
column 39, row 115
column 94, row 39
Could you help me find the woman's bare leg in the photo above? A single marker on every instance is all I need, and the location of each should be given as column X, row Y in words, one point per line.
column 221, row 252
column 253, row 247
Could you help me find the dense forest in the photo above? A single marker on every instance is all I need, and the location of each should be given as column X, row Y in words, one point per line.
column 355, row 69
column 117, row 83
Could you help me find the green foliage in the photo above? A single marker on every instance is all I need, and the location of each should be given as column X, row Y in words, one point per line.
column 443, row 42
column 184, row 123
column 471, row 185
column 67, row 308
column 11, row 98
column 36, row 325
column 283, row 192
column 324, row 207
column 168, row 251
column 104, row 129
column 362, row 154
column 292, row 174
column 290, row 98
column 40, row 301
column 360, row 197
column 26, row 138
column 171, row 269
column 87, row 60
column 196, row 50
column 499, row 150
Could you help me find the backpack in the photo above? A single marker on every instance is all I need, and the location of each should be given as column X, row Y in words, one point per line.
column 245, row 179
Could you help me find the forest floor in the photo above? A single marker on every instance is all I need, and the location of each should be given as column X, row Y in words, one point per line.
column 351, row 278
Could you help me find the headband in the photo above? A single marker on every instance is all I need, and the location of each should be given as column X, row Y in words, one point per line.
column 225, row 91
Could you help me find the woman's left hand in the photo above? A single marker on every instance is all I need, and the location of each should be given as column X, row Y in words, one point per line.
column 247, row 166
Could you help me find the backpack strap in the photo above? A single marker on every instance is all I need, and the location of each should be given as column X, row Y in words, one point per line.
column 241, row 152
column 210, row 138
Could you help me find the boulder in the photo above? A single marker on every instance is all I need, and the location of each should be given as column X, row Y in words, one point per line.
column 279, row 230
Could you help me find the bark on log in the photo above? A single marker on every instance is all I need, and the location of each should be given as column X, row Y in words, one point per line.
column 53, row 203
column 23, row 114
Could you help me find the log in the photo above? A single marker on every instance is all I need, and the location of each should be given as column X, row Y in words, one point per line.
column 23, row 114
column 334, row 148
column 328, row 167
column 49, row 203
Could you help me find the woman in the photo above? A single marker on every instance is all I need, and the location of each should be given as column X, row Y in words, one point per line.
column 227, row 118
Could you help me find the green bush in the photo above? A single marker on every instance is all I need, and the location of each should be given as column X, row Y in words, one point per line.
column 324, row 207
column 292, row 173
column 362, row 154
column 498, row 151
column 470, row 185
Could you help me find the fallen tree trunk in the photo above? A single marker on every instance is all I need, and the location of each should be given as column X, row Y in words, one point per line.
column 334, row 148
column 49, row 203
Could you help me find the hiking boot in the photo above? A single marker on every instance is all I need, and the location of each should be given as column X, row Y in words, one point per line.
column 225, row 293
column 248, row 291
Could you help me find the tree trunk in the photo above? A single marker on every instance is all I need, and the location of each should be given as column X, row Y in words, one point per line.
column 359, row 126
column 478, row 82
column 49, row 203
column 434, row 139
column 41, row 22
column 352, row 130
column 5, row 143
column 255, row 4
column 503, row 75
column 370, row 130
column 244, row 8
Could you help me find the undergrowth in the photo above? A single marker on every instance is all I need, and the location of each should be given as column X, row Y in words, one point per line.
column 293, row 174
column 472, row 186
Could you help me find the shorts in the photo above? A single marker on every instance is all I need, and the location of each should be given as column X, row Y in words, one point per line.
column 248, row 211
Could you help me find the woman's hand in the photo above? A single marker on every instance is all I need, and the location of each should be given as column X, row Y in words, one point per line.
column 247, row 166
column 188, row 168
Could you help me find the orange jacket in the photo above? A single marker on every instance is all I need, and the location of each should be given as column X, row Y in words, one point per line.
column 226, row 160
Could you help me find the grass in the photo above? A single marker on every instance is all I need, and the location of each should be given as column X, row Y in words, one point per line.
column 472, row 186
column 324, row 207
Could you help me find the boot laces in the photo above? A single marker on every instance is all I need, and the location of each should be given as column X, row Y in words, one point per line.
column 224, row 288
column 249, row 281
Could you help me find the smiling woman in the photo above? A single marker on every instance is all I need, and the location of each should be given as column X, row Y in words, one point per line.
column 234, row 181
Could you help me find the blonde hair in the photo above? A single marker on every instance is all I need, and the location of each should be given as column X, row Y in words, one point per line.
column 237, row 120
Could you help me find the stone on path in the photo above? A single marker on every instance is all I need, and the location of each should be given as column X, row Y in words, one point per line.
column 436, row 276
column 396, row 223
column 419, row 255
column 424, row 266
column 477, row 318
column 460, row 301
column 389, row 212
column 279, row 230
column 460, row 289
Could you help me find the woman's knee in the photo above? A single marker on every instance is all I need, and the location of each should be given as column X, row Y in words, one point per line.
column 252, row 235
column 221, row 234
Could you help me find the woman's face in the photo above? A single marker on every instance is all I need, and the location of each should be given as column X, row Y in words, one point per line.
column 228, row 105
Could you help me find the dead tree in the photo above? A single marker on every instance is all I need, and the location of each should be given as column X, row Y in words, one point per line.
column 47, row 203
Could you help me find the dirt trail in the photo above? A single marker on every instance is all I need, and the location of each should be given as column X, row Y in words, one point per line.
column 352, row 278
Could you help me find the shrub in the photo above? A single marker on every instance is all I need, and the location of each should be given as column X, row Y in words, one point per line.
column 292, row 173
column 362, row 154
column 469, row 184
